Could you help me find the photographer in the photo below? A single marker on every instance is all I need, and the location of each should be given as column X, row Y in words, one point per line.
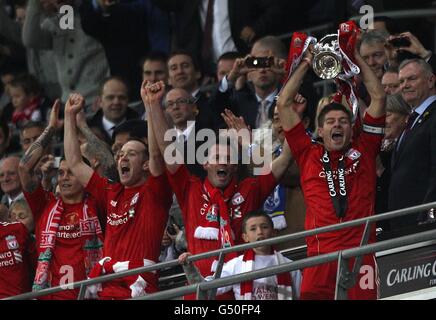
column 255, row 100
column 173, row 241
column 407, row 46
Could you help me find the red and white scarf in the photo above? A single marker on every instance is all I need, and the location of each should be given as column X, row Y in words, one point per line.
column 91, row 235
column 216, row 225
column 107, row 265
column 284, row 280
column 26, row 113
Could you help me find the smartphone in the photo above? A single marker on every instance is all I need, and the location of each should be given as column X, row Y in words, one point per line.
column 57, row 162
column 259, row 62
column 400, row 42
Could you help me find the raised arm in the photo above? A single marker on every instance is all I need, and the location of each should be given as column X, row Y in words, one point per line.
column 156, row 163
column 281, row 164
column 73, row 155
column 160, row 125
column 378, row 97
column 288, row 116
column 97, row 149
column 29, row 160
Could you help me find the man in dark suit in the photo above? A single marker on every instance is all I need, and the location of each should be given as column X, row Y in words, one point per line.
column 181, row 108
column 255, row 101
column 128, row 30
column 184, row 73
column 113, row 102
column 234, row 24
column 413, row 178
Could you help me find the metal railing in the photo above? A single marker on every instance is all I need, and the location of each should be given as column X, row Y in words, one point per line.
column 343, row 255
column 346, row 254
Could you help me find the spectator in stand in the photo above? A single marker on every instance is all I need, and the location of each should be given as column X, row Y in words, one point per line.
column 10, row 181
column 39, row 62
column 68, row 230
column 181, row 108
column 208, row 232
column 337, row 154
column 372, row 50
column 28, row 101
column 127, row 31
column 185, row 73
column 413, row 177
column 225, row 64
column 154, row 67
column 256, row 226
column 8, row 145
column 137, row 208
column 208, row 28
column 415, row 50
column 254, row 103
column 80, row 59
column 386, row 25
column 29, row 133
column 20, row 212
column 397, row 112
column 114, row 110
column 7, row 74
column 390, row 81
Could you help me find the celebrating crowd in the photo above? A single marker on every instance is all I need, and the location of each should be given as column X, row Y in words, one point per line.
column 103, row 170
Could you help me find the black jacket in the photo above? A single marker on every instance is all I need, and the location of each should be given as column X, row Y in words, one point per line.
column 264, row 16
column 413, row 169
column 96, row 121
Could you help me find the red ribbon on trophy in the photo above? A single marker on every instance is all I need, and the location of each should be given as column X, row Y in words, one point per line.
column 347, row 37
column 300, row 42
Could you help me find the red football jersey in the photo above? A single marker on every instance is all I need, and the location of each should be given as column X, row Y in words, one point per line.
column 68, row 261
column 16, row 263
column 251, row 194
column 136, row 220
column 360, row 178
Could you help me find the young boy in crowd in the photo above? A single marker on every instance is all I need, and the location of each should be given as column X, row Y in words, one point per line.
column 27, row 100
column 256, row 226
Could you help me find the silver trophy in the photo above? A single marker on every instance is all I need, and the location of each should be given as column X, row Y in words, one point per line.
column 327, row 60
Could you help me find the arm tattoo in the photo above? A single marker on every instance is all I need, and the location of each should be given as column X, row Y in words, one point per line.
column 39, row 145
column 99, row 150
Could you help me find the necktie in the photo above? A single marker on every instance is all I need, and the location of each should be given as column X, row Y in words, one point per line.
column 408, row 127
column 206, row 48
column 263, row 113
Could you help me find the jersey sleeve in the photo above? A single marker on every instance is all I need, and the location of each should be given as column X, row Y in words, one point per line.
column 179, row 182
column 298, row 141
column 97, row 187
column 372, row 134
column 160, row 188
column 37, row 201
column 264, row 186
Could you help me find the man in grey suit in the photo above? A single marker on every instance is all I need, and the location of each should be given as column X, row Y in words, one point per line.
column 9, row 181
column 413, row 179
